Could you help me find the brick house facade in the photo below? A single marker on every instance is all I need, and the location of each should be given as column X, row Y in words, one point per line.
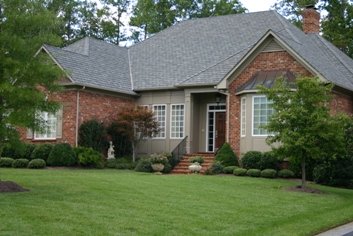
column 190, row 75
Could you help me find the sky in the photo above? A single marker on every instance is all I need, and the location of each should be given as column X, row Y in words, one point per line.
column 258, row 5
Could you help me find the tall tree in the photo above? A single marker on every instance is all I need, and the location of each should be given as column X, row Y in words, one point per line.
column 24, row 27
column 302, row 127
column 152, row 16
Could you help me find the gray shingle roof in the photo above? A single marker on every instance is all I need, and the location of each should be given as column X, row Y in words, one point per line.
column 95, row 63
column 198, row 52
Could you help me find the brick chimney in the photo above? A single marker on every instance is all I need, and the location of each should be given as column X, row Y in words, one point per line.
column 311, row 20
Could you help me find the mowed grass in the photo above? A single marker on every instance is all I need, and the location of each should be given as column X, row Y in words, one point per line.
column 112, row 202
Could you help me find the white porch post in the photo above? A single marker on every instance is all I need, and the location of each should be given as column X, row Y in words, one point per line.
column 188, row 119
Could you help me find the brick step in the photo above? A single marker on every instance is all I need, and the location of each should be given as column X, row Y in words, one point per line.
column 183, row 166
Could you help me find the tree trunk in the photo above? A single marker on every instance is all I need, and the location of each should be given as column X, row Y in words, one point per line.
column 303, row 173
column 133, row 152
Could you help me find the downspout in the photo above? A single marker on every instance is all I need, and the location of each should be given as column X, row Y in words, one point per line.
column 227, row 118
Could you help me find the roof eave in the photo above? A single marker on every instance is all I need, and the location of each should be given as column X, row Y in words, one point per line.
column 132, row 93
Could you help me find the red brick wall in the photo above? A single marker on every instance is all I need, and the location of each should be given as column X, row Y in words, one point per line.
column 265, row 61
column 341, row 103
column 92, row 105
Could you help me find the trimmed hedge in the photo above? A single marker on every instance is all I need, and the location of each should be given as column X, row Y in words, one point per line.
column 229, row 169
column 269, row 161
column 61, row 155
column 226, row 156
column 20, row 163
column 268, row 173
column 285, row 173
column 252, row 160
column 254, row 173
column 6, row 161
column 90, row 158
column 144, row 165
column 37, row 164
column 215, row 169
column 41, row 151
column 239, row 171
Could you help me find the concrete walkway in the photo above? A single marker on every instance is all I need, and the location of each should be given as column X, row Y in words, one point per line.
column 343, row 230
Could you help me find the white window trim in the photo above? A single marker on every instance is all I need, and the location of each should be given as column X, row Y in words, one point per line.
column 243, row 111
column 47, row 138
column 170, row 118
column 165, row 120
column 252, row 118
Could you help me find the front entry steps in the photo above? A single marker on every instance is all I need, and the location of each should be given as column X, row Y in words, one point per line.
column 182, row 167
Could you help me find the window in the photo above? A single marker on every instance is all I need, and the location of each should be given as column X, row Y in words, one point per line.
column 262, row 111
column 50, row 126
column 160, row 116
column 177, row 121
column 243, row 117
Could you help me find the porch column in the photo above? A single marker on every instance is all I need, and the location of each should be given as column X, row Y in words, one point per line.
column 188, row 119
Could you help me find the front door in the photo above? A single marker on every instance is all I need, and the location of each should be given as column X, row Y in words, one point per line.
column 220, row 132
column 216, row 126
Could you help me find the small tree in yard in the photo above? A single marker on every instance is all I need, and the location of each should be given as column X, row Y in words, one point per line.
column 302, row 123
column 136, row 124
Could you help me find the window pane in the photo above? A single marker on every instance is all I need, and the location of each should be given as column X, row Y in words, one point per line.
column 262, row 111
column 177, row 127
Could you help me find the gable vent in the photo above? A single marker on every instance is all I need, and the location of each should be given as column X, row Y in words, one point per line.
column 272, row 46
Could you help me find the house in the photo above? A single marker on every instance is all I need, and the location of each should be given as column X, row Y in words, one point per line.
column 199, row 77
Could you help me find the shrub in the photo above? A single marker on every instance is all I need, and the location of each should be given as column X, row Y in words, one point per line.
column 144, row 165
column 17, row 150
column 41, row 151
column 285, row 173
column 111, row 163
column 240, row 171
column 229, row 169
column 215, row 169
column 125, row 163
column 20, row 163
column 268, row 173
column 37, row 164
column 6, row 161
column 120, row 140
column 167, row 168
column 254, row 172
column 252, row 160
column 198, row 159
column 90, row 158
column 92, row 134
column 269, row 161
column 61, row 155
column 226, row 156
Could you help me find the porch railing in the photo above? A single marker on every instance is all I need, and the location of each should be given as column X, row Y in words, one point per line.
column 178, row 152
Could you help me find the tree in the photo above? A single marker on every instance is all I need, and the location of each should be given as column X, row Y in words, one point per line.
column 136, row 124
column 24, row 27
column 302, row 123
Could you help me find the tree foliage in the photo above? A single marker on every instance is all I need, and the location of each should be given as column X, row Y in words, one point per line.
column 302, row 123
column 136, row 124
column 24, row 27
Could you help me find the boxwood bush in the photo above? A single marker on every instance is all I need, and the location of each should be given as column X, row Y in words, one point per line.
column 226, row 156
column 20, row 163
column 41, row 151
column 285, row 173
column 61, row 155
column 269, row 161
column 37, row 164
column 252, row 160
column 240, row 171
column 229, row 169
column 268, row 173
column 6, row 161
column 144, row 165
column 90, row 158
column 215, row 169
column 254, row 173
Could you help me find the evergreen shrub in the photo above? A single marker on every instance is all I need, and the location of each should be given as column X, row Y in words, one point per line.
column 37, row 164
column 285, row 173
column 240, row 171
column 268, row 173
column 226, row 156
column 41, row 151
column 252, row 160
column 254, row 173
column 90, row 158
column 61, row 154
column 6, row 161
column 229, row 169
column 20, row 163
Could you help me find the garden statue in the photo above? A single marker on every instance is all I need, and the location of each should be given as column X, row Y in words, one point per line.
column 111, row 151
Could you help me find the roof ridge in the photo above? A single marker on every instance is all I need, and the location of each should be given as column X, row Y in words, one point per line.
column 214, row 65
column 283, row 23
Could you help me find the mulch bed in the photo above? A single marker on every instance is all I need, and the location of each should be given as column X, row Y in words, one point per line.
column 10, row 187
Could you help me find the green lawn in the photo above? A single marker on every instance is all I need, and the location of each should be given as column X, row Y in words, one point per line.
column 111, row 202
